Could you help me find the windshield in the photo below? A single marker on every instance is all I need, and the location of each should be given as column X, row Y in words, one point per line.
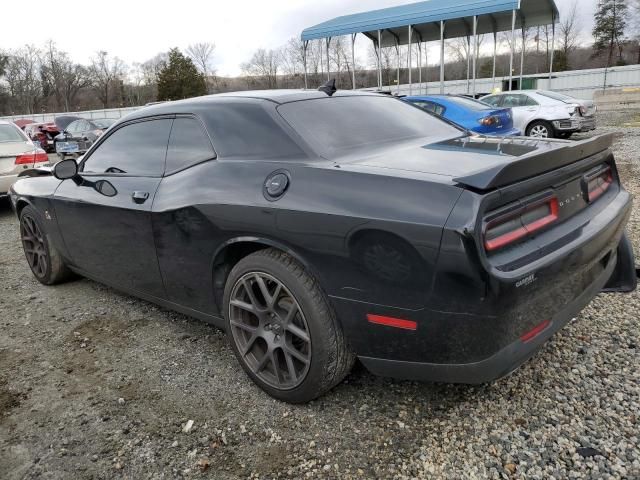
column 340, row 125
column 469, row 103
column 558, row 96
column 9, row 133
column 104, row 122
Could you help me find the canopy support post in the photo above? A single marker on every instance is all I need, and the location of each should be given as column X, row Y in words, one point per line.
column 379, row 62
column 468, row 63
column 522, row 55
column 441, row 57
column 397, row 66
column 305, row 45
column 409, row 60
column 513, row 41
column 419, row 67
column 426, row 67
column 328, row 40
column 495, row 50
column 553, row 47
column 475, row 53
column 353, row 60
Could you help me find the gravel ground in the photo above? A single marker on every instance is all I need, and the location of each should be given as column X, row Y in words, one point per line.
column 96, row 384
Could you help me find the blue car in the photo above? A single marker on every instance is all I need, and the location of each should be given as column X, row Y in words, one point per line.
column 471, row 114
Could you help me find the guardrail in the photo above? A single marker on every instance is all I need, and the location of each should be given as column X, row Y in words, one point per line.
column 88, row 114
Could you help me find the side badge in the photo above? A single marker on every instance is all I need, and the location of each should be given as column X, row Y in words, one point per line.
column 47, row 215
column 276, row 185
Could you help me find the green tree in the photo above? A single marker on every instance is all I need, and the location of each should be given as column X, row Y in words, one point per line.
column 608, row 31
column 180, row 78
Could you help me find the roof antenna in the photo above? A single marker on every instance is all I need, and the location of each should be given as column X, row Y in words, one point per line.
column 329, row 88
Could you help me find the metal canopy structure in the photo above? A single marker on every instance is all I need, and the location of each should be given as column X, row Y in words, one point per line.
column 432, row 20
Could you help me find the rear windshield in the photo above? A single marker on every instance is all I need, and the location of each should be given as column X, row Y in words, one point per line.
column 469, row 103
column 104, row 122
column 9, row 133
column 340, row 125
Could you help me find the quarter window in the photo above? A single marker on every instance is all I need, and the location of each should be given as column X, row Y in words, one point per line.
column 188, row 145
column 135, row 149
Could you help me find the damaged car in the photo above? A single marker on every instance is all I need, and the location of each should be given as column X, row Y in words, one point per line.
column 317, row 227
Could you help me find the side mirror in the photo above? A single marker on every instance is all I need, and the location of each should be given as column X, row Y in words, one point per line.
column 65, row 169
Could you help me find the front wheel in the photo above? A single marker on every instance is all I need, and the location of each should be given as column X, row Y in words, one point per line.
column 282, row 328
column 540, row 129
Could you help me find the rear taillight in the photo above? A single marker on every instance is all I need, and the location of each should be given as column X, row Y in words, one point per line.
column 490, row 120
column 29, row 158
column 506, row 229
column 598, row 184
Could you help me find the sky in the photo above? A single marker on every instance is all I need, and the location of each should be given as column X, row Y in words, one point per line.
column 136, row 31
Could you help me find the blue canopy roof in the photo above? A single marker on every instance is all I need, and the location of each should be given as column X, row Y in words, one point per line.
column 425, row 17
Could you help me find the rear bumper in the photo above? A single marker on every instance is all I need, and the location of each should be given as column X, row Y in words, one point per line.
column 501, row 363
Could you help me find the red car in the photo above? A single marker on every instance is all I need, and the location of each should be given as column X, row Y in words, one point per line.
column 43, row 133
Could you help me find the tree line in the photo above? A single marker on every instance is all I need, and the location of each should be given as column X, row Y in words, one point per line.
column 46, row 79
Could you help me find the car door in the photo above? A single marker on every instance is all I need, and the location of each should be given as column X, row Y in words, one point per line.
column 524, row 109
column 106, row 220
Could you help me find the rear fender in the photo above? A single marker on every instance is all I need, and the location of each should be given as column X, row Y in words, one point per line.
column 625, row 276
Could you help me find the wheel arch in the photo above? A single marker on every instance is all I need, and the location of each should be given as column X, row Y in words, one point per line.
column 535, row 120
column 233, row 250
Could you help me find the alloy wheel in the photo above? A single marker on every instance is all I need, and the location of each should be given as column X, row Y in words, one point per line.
column 34, row 247
column 539, row 131
column 270, row 330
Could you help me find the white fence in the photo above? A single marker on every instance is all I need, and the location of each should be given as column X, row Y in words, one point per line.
column 577, row 83
column 48, row 117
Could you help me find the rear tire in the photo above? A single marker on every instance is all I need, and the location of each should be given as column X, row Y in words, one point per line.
column 43, row 258
column 540, row 129
column 282, row 328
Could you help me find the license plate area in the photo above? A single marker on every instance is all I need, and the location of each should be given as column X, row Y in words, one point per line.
column 67, row 147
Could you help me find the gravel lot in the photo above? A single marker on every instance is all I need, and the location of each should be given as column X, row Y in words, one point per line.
column 96, row 384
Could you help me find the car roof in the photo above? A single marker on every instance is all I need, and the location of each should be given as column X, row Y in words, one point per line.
column 275, row 96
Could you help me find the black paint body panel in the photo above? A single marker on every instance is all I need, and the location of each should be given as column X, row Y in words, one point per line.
column 389, row 232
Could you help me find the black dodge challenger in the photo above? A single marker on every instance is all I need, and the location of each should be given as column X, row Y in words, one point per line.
column 317, row 229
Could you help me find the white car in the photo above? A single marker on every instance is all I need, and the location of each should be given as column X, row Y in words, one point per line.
column 17, row 153
column 542, row 114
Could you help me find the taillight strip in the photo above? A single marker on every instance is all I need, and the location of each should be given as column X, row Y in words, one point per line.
column 600, row 189
column 525, row 229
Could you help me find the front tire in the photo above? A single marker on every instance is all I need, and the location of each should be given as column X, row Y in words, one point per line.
column 540, row 129
column 282, row 328
column 43, row 258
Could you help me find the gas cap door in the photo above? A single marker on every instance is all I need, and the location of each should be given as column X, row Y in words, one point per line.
column 276, row 185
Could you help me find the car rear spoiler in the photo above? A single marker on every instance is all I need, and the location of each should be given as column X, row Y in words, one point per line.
column 535, row 163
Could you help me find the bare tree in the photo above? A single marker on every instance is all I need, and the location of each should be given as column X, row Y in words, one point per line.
column 22, row 74
column 262, row 68
column 106, row 74
column 202, row 55
column 569, row 34
column 62, row 77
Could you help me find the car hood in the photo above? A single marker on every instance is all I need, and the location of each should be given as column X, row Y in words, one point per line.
column 63, row 121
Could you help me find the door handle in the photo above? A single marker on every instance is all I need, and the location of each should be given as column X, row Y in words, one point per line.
column 140, row 197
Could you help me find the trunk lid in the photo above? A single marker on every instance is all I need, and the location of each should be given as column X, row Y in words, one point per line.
column 8, row 153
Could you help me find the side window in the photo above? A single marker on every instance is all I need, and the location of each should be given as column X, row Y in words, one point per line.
column 135, row 149
column 530, row 102
column 188, row 145
column 430, row 107
column 494, row 100
column 514, row 100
